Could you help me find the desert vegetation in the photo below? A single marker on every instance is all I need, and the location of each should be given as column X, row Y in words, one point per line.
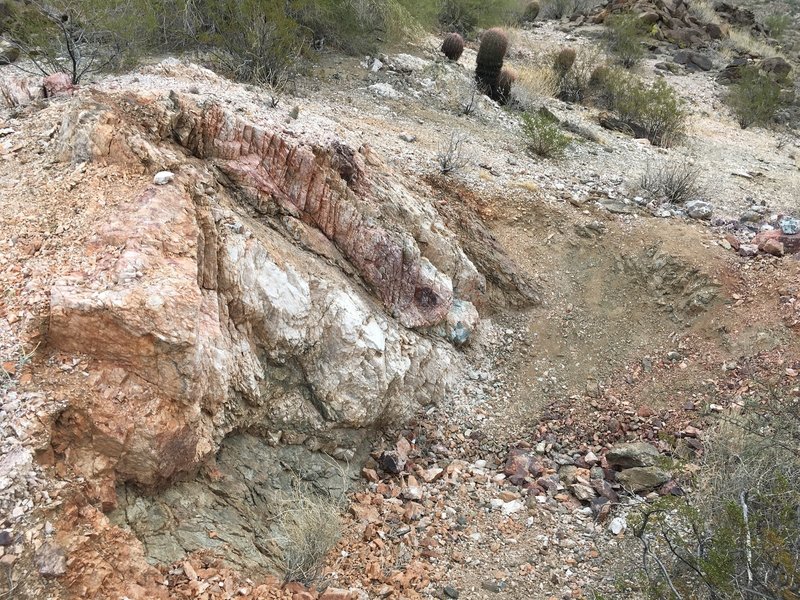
column 740, row 536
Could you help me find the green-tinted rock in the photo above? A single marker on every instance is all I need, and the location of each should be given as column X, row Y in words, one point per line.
column 640, row 479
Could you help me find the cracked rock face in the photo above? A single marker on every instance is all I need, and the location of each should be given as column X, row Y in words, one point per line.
column 298, row 291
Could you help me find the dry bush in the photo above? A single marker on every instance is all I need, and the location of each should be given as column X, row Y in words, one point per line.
column 558, row 9
column 450, row 156
column 533, row 85
column 67, row 36
column 307, row 528
column 675, row 182
column 574, row 85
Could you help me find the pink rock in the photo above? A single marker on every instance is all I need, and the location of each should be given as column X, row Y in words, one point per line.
column 58, row 84
column 771, row 241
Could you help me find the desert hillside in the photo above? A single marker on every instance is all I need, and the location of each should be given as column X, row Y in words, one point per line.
column 512, row 312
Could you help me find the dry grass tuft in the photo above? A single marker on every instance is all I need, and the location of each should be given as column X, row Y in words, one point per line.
column 703, row 11
column 533, row 85
column 742, row 41
column 308, row 527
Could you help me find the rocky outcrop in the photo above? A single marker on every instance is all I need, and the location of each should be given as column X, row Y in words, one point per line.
column 291, row 289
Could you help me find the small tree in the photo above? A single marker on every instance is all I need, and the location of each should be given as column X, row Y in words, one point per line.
column 64, row 36
column 624, row 38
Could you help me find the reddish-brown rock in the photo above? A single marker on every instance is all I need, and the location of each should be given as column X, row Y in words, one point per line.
column 770, row 241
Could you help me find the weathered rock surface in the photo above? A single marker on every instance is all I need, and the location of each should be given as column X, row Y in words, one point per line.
column 769, row 240
column 637, row 454
column 639, row 479
column 271, row 285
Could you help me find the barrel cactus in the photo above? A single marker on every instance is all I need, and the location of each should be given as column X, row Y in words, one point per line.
column 489, row 63
column 564, row 60
column 505, row 80
column 453, row 46
column 531, row 12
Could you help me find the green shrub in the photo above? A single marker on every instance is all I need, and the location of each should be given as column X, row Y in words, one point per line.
column 654, row 109
column 558, row 9
column 574, row 83
column 754, row 98
column 624, row 38
column 543, row 135
column 777, row 25
column 739, row 535
column 464, row 16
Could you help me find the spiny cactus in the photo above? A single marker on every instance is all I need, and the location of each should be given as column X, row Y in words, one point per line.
column 489, row 63
column 505, row 80
column 564, row 60
column 531, row 12
column 453, row 46
column 599, row 77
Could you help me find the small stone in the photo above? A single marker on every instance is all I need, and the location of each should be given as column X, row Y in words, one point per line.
column 450, row 592
column 790, row 225
column 583, row 492
column 392, row 461
column 773, row 246
column 163, row 177
column 748, row 250
column 407, row 137
column 692, row 432
column 6, row 538
column 370, row 475
column 333, row 593
column 617, row 525
column 699, row 209
column 509, row 508
column 733, row 241
column 491, row 586
column 639, row 479
column 51, row 561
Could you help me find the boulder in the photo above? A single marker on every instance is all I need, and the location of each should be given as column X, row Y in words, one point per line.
column 716, row 31
column 636, row 454
column 777, row 67
column 649, row 18
column 693, row 60
column 273, row 284
column 640, row 479
column 772, row 241
column 58, row 84
column 699, row 209
column 9, row 53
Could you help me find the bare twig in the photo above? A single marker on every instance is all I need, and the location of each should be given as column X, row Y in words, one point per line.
column 450, row 156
